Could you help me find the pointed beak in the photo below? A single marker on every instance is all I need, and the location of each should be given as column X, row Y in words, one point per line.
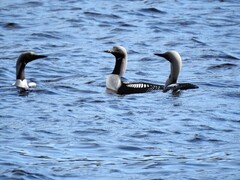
column 36, row 56
column 158, row 54
column 162, row 55
column 108, row 51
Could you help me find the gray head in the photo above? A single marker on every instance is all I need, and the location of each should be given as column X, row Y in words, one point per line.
column 176, row 64
column 23, row 59
column 118, row 51
column 120, row 54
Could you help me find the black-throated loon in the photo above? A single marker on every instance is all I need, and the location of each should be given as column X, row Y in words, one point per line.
column 176, row 65
column 22, row 61
column 114, row 82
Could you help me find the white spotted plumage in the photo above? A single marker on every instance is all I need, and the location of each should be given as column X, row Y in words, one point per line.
column 115, row 82
column 141, row 85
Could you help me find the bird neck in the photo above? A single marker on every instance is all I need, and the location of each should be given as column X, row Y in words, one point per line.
column 176, row 66
column 120, row 66
column 20, row 70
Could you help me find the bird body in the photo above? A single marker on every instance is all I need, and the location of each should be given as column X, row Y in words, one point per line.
column 114, row 82
column 23, row 59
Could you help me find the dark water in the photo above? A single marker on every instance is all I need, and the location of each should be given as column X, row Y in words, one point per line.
column 69, row 127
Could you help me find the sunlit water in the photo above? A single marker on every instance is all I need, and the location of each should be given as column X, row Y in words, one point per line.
column 69, row 127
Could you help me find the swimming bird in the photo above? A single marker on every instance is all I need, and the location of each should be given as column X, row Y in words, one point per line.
column 114, row 81
column 21, row 63
column 176, row 65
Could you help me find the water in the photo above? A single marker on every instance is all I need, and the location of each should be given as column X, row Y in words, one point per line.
column 69, row 127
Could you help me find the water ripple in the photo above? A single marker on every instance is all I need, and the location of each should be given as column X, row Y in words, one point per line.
column 71, row 127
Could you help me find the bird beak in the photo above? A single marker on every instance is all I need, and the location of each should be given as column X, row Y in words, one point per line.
column 162, row 55
column 36, row 56
column 108, row 51
column 157, row 54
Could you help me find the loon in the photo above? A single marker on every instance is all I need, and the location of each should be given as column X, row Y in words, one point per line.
column 114, row 81
column 22, row 61
column 176, row 65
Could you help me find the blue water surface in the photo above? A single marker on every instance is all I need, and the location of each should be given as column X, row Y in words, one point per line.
column 70, row 127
